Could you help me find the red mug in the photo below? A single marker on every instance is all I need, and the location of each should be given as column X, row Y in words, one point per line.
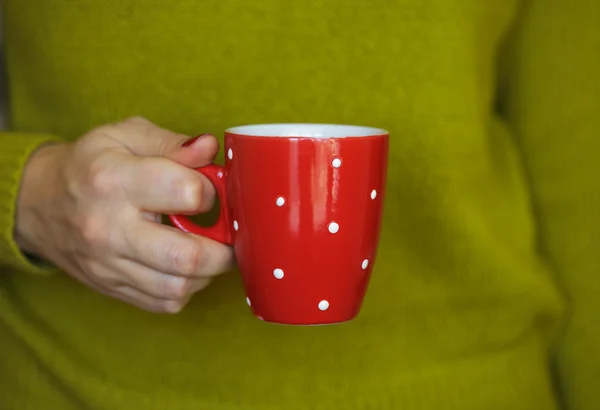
column 301, row 204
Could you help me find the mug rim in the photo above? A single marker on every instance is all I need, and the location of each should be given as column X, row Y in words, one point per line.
column 306, row 130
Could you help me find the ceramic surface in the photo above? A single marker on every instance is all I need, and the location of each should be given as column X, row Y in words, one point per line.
column 301, row 204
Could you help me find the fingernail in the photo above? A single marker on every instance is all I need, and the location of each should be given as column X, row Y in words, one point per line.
column 192, row 140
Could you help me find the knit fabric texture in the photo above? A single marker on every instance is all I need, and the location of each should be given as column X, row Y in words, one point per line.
column 486, row 288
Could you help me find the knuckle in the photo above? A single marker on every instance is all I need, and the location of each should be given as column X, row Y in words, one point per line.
column 109, row 129
column 175, row 288
column 102, row 179
column 140, row 125
column 188, row 193
column 202, row 284
column 135, row 119
column 108, row 278
column 94, row 231
column 187, row 260
column 229, row 261
column 172, row 306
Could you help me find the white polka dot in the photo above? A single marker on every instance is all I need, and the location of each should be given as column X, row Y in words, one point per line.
column 365, row 264
column 278, row 273
column 336, row 163
column 220, row 174
column 280, row 201
column 230, row 153
column 323, row 305
column 236, row 226
column 248, row 301
column 373, row 194
column 260, row 318
column 334, row 227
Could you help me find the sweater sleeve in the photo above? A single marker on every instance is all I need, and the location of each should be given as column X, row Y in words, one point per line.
column 15, row 150
column 552, row 77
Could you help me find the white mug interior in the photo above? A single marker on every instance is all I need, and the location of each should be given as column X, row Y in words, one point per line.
column 306, row 130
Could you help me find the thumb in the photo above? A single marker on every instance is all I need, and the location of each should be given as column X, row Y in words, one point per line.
column 144, row 138
column 195, row 152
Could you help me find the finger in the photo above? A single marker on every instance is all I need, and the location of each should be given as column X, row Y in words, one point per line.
column 109, row 282
column 145, row 138
column 195, row 152
column 157, row 284
column 169, row 250
column 161, row 185
column 141, row 300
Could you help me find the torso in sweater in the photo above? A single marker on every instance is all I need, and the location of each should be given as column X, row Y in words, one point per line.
column 460, row 309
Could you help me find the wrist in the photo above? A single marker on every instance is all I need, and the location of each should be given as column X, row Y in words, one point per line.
column 40, row 184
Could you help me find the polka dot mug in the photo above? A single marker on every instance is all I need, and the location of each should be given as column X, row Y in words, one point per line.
column 301, row 204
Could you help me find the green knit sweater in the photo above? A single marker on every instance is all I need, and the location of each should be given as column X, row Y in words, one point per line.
column 492, row 216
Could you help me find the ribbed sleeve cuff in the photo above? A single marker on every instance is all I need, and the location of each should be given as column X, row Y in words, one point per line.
column 15, row 150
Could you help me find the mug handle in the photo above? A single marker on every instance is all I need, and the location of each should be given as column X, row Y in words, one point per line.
column 220, row 231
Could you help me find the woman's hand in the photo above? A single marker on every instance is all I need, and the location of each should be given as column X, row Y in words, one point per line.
column 93, row 208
